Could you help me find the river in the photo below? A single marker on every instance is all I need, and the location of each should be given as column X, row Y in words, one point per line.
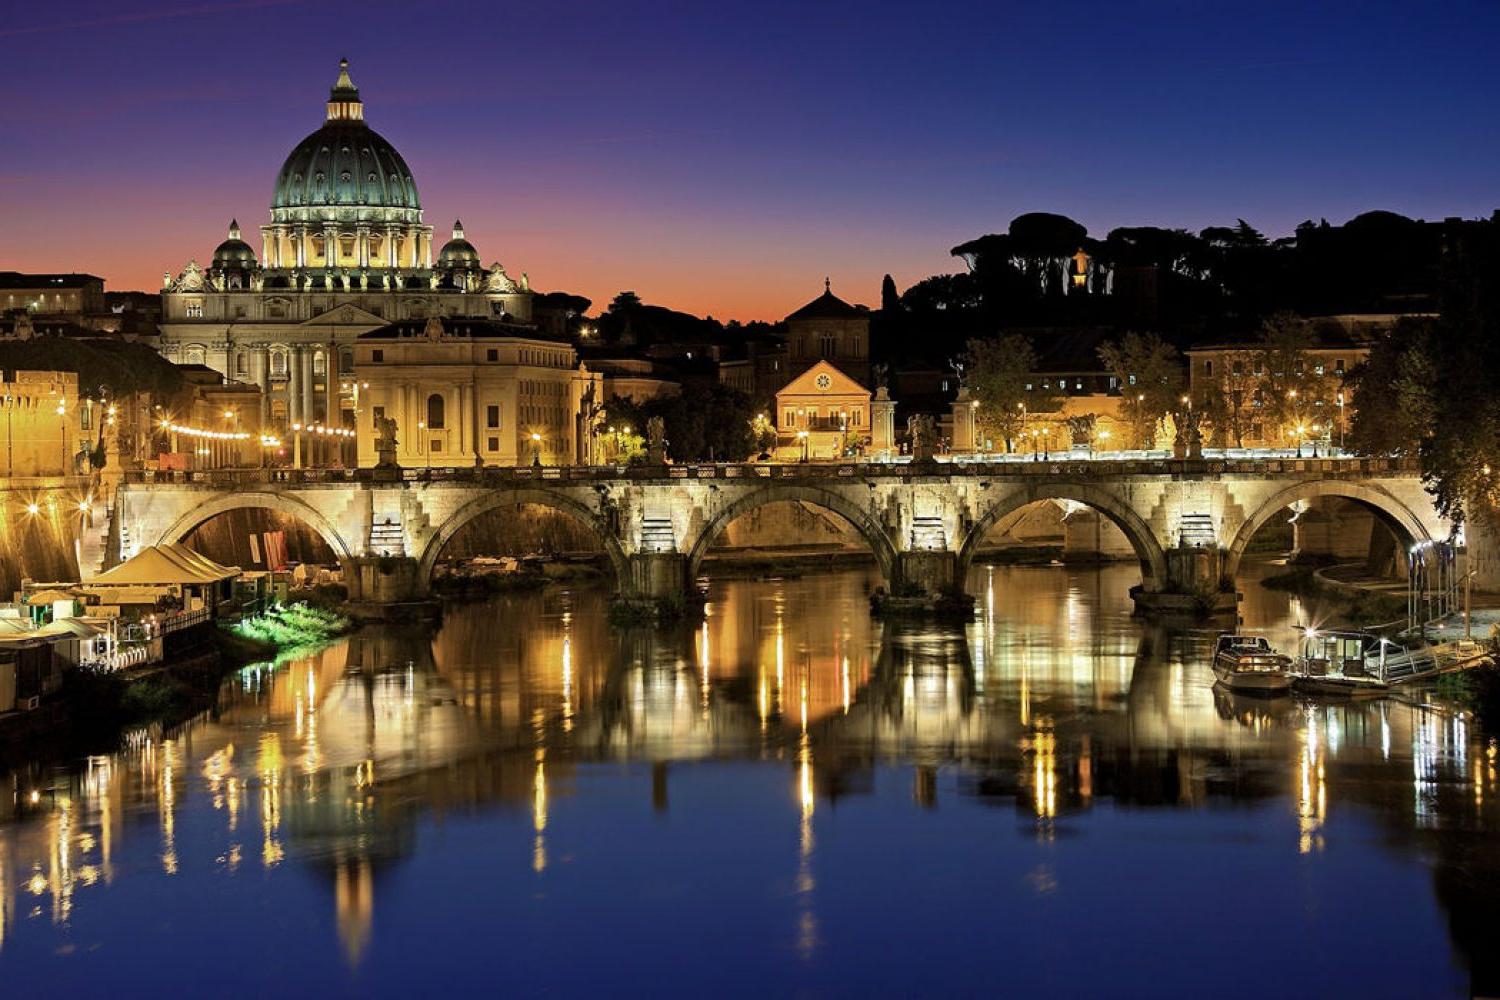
column 790, row 798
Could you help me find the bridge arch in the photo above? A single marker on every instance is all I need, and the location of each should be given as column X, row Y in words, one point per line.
column 1142, row 539
column 858, row 518
column 1395, row 515
column 493, row 499
column 279, row 502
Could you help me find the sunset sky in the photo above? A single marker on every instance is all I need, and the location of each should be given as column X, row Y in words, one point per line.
column 723, row 159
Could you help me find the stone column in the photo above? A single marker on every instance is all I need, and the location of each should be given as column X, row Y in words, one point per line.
column 331, row 384
column 390, row 247
column 309, row 396
column 299, row 240
column 330, row 245
column 362, row 246
column 965, row 436
column 882, row 423
column 294, row 412
column 260, row 375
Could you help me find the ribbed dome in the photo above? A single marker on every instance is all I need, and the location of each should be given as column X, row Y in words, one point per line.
column 233, row 252
column 345, row 165
column 457, row 253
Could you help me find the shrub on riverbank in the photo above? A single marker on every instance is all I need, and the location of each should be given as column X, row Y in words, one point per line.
column 298, row 624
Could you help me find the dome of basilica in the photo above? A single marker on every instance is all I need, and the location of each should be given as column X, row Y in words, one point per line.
column 345, row 170
column 233, row 252
column 457, row 253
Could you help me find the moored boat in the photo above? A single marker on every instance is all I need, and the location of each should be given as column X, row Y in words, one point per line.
column 1248, row 664
column 1340, row 663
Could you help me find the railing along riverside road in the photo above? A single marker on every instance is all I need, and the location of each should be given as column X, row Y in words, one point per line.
column 231, row 478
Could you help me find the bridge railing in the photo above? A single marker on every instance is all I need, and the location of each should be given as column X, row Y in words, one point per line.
column 968, row 469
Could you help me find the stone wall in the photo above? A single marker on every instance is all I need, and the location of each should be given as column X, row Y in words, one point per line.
column 226, row 539
column 788, row 524
column 36, row 547
column 521, row 530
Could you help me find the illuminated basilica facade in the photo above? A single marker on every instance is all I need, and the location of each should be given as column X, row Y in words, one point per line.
column 345, row 252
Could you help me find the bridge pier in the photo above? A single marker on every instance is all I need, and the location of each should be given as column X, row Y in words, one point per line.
column 656, row 586
column 934, row 571
column 386, row 588
column 1194, row 587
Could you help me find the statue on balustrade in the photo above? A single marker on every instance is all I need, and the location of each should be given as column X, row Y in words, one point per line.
column 656, row 441
column 923, row 434
column 385, row 443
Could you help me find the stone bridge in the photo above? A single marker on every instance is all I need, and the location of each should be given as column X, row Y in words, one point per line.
column 1188, row 522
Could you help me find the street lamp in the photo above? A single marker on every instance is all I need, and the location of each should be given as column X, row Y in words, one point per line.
column 1341, row 421
column 802, row 437
column 536, row 449
column 1104, row 437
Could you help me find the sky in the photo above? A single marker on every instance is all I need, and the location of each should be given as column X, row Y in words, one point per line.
column 723, row 158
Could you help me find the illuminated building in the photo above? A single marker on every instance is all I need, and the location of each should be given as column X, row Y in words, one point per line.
column 470, row 392
column 345, row 252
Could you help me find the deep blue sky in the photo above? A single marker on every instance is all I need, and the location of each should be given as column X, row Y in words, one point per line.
column 725, row 158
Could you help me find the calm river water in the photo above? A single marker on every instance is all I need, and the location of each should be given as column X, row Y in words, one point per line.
column 791, row 798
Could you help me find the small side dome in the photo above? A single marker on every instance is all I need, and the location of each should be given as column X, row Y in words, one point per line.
column 458, row 253
column 234, row 253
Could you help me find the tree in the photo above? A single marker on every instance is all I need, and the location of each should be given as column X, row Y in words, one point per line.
column 625, row 302
column 1295, row 394
column 999, row 376
column 702, row 423
column 1149, row 373
column 1391, row 393
column 890, row 299
column 1462, row 453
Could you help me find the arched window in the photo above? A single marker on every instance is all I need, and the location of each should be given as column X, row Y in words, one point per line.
column 435, row 412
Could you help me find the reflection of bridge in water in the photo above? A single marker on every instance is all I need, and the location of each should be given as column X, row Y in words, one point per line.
column 333, row 761
column 1188, row 522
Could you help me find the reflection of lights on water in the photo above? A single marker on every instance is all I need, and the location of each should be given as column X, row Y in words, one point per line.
column 807, row 923
column 539, row 813
column 167, row 804
column 1044, row 774
column 1385, row 732
column 844, row 682
column 1312, row 798
column 703, row 651
column 567, row 683
column 269, row 769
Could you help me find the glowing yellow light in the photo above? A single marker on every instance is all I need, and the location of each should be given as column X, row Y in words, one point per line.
column 32, row 508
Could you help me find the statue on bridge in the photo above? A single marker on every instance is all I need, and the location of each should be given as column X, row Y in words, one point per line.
column 656, row 441
column 385, row 443
column 923, row 434
column 1188, row 442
